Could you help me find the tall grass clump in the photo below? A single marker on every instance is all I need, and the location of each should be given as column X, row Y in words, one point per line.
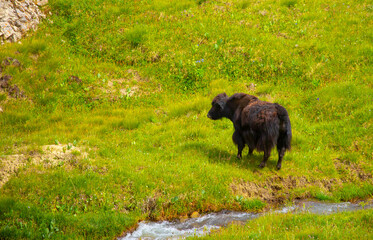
column 289, row 3
column 244, row 4
column 189, row 75
column 200, row 2
column 136, row 35
column 351, row 192
column 63, row 8
column 35, row 46
column 183, row 108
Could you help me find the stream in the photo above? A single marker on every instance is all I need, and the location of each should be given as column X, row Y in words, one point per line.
column 203, row 225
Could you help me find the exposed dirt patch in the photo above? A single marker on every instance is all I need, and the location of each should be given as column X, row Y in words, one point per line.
column 149, row 206
column 118, row 88
column 283, row 35
column 277, row 189
column 49, row 156
column 136, row 76
column 133, row 84
column 351, row 172
column 154, row 57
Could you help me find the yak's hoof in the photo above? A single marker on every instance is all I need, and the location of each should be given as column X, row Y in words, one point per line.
column 262, row 164
column 278, row 167
column 239, row 156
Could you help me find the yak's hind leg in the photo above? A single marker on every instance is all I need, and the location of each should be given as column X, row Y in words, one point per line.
column 281, row 152
column 238, row 140
column 251, row 150
column 267, row 153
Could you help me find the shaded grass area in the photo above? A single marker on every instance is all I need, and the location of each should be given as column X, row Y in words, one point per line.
column 132, row 83
column 288, row 226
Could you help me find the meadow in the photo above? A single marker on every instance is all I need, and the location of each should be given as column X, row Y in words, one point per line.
column 124, row 87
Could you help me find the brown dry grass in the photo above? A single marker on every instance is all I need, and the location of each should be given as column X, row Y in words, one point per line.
column 278, row 189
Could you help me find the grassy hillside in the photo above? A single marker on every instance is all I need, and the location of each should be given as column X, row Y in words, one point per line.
column 110, row 126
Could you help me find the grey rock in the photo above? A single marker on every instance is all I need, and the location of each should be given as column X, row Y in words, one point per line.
column 41, row 2
column 16, row 36
column 18, row 16
column 6, row 29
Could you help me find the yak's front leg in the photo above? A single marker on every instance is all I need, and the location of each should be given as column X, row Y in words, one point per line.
column 238, row 140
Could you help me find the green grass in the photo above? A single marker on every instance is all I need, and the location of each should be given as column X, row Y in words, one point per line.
column 303, row 226
column 130, row 84
column 136, row 36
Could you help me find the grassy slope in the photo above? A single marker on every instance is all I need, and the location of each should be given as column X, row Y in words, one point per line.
column 154, row 154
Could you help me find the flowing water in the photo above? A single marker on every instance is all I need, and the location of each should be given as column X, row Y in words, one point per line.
column 204, row 224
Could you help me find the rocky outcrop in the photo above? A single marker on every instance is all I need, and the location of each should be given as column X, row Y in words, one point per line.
column 19, row 16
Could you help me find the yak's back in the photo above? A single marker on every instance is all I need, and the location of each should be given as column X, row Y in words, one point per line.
column 241, row 99
column 236, row 103
column 259, row 113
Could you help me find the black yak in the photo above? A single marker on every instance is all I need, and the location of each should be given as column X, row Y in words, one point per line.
column 260, row 125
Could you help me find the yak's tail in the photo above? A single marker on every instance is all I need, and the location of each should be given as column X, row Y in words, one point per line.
column 285, row 129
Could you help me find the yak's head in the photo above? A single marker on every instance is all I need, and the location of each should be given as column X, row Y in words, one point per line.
column 217, row 108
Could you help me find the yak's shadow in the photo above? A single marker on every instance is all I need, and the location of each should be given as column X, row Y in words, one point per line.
column 218, row 155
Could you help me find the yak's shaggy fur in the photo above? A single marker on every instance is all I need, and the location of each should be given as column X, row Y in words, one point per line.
column 258, row 124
